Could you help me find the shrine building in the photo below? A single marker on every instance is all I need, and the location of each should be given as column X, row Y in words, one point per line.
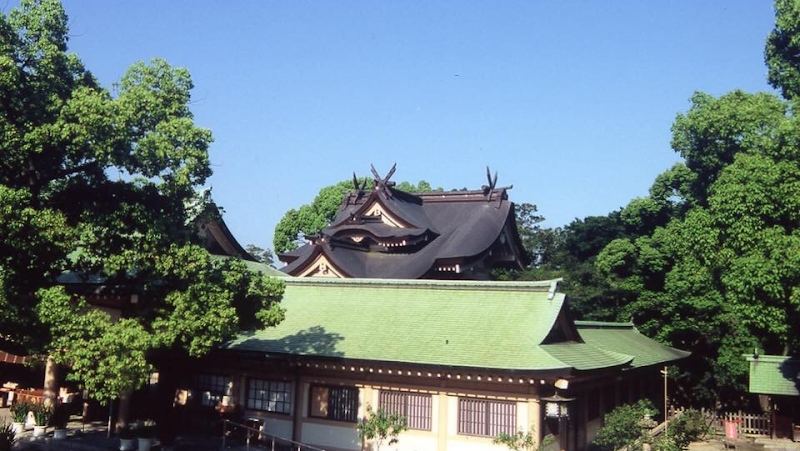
column 391, row 234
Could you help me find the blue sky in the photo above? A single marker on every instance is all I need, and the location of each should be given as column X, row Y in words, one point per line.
column 571, row 102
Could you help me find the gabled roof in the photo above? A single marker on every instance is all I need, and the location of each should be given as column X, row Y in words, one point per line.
column 774, row 375
column 446, row 227
column 470, row 324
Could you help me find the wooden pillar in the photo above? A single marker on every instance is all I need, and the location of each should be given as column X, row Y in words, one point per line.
column 582, row 421
column 297, row 418
column 601, row 405
column 51, row 383
column 443, row 422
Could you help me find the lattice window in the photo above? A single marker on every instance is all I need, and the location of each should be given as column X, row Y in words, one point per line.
column 416, row 407
column 334, row 403
column 269, row 396
column 486, row 418
column 212, row 387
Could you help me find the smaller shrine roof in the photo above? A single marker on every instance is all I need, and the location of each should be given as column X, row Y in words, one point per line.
column 624, row 338
column 774, row 375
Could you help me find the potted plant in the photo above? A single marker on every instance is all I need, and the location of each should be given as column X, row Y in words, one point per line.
column 7, row 436
column 127, row 439
column 59, row 422
column 19, row 414
column 145, row 434
column 41, row 417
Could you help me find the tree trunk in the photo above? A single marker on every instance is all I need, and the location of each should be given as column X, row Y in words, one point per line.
column 51, row 383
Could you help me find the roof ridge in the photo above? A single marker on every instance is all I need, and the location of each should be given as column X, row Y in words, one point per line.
column 586, row 323
column 769, row 358
column 542, row 285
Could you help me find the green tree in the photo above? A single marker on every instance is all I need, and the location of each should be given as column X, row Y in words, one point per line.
column 381, row 426
column 312, row 218
column 782, row 53
column 720, row 277
column 262, row 255
column 96, row 184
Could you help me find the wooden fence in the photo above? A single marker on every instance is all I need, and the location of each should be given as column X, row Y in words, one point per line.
column 758, row 424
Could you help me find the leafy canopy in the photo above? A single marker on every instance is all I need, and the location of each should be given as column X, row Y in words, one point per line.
column 97, row 183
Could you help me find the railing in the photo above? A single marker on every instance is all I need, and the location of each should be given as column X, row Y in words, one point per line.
column 749, row 423
column 262, row 439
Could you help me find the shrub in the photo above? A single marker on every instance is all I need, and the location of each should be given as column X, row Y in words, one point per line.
column 689, row 427
column 523, row 441
column 7, row 437
column 622, row 427
column 42, row 414
column 380, row 426
column 19, row 411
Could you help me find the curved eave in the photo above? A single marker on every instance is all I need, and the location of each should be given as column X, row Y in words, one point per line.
column 378, row 196
column 317, row 251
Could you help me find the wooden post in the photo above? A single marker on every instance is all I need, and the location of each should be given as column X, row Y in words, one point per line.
column 224, row 431
column 666, row 402
column 297, row 420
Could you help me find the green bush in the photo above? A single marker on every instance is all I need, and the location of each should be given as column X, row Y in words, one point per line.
column 7, row 437
column 19, row 411
column 381, row 426
column 621, row 427
column 523, row 441
column 689, row 427
column 42, row 414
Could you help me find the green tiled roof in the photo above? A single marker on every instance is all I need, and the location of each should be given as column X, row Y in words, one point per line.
column 476, row 324
column 623, row 338
column 774, row 375
column 584, row 356
column 468, row 324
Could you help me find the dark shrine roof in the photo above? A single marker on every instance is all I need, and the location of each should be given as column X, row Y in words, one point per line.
column 423, row 230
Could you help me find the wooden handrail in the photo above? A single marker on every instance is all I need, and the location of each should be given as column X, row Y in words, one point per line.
column 260, row 432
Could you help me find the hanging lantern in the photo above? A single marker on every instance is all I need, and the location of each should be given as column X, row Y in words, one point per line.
column 556, row 406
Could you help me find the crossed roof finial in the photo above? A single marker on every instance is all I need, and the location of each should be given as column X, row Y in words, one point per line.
column 487, row 189
column 385, row 182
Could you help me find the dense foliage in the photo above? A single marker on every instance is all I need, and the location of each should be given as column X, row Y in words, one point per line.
column 690, row 427
column 621, row 427
column 98, row 184
column 709, row 261
column 312, row 218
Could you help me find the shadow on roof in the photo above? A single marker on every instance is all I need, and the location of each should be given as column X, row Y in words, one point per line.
column 312, row 341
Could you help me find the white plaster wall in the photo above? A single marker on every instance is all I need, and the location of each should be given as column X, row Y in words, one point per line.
column 414, row 442
column 522, row 417
column 275, row 426
column 466, row 443
column 326, row 435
